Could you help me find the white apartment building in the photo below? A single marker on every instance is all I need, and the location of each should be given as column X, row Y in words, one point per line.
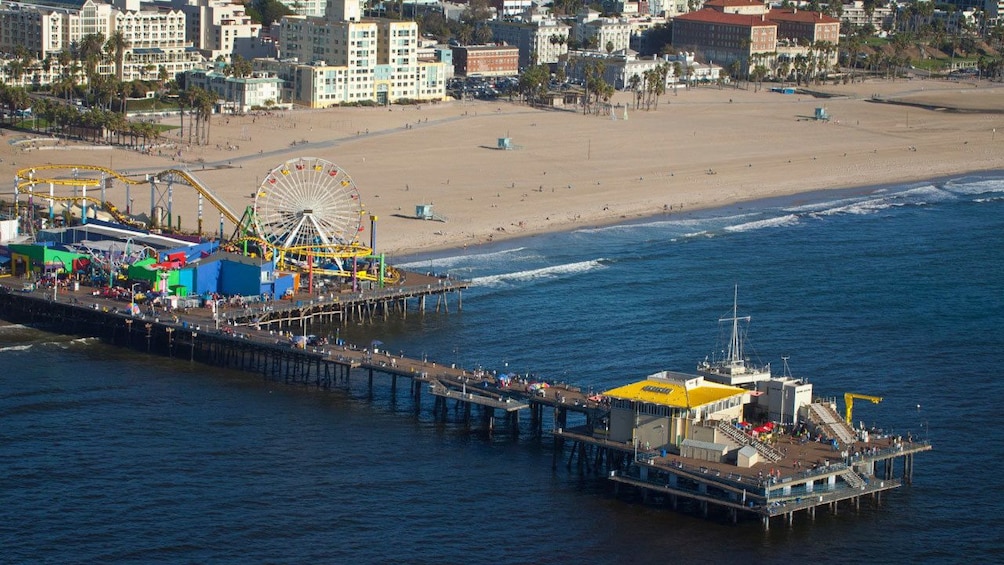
column 591, row 29
column 509, row 9
column 220, row 29
column 156, row 37
column 238, row 94
column 311, row 8
column 38, row 30
column 618, row 68
column 542, row 40
column 327, row 62
column 854, row 13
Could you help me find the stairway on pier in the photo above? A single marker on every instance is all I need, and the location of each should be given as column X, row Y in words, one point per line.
column 742, row 438
column 832, row 424
column 853, row 479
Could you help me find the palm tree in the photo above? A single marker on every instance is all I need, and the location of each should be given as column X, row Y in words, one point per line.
column 784, row 68
column 651, row 77
column 661, row 73
column 90, row 51
column 759, row 72
column 465, row 34
column 533, row 83
column 633, row 83
column 207, row 101
column 116, row 46
column 15, row 98
column 16, row 69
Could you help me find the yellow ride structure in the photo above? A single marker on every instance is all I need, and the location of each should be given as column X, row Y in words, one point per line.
column 306, row 217
column 849, row 403
column 73, row 176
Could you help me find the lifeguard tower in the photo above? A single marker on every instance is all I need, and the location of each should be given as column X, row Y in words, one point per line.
column 424, row 212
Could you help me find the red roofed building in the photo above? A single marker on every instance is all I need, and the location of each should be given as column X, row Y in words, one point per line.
column 725, row 31
column 486, row 60
column 744, row 7
column 812, row 26
column 722, row 38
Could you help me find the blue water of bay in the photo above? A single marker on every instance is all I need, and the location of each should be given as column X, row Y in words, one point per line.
column 896, row 291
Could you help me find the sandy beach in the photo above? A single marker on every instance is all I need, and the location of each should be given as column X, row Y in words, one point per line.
column 700, row 148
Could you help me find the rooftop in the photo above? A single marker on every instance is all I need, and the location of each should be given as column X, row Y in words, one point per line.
column 677, row 390
column 712, row 16
column 803, row 16
column 733, row 3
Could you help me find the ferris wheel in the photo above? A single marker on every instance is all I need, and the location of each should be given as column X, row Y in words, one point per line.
column 308, row 207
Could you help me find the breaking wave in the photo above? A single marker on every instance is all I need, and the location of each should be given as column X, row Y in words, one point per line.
column 542, row 273
column 778, row 222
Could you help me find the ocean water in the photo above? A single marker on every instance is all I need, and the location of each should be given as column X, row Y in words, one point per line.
column 111, row 456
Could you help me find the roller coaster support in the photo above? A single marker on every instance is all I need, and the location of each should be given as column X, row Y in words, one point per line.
column 355, row 273
column 16, row 199
column 153, row 201
column 83, row 206
column 199, row 220
column 170, row 201
column 373, row 221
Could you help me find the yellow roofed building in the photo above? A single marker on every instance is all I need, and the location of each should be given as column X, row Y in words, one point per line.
column 661, row 411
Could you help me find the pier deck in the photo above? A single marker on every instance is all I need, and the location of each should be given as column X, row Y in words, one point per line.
column 803, row 476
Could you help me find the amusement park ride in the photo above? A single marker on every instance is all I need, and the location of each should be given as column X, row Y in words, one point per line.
column 306, row 216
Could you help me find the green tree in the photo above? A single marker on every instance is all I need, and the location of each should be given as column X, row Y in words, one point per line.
column 634, row 84
column 241, row 67
column 116, row 46
column 476, row 12
column 267, row 12
column 533, row 83
column 483, row 34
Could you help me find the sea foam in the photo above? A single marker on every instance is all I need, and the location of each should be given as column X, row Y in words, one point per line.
column 542, row 273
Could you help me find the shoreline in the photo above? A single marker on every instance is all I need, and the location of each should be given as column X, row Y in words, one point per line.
column 766, row 202
column 701, row 149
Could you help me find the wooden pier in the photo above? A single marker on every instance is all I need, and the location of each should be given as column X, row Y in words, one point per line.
column 243, row 338
column 797, row 476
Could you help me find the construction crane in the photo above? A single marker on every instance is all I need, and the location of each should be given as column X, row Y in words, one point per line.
column 849, row 401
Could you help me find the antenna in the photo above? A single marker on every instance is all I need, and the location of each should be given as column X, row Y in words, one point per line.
column 735, row 355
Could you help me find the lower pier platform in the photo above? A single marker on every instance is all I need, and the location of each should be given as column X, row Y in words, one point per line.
column 507, row 404
column 809, row 475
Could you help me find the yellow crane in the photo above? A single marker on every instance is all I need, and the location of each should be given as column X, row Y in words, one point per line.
column 849, row 402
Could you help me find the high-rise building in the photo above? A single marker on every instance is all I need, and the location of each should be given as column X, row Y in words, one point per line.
column 344, row 58
column 155, row 37
column 220, row 29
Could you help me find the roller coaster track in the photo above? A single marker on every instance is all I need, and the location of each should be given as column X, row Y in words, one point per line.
column 112, row 210
column 27, row 178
